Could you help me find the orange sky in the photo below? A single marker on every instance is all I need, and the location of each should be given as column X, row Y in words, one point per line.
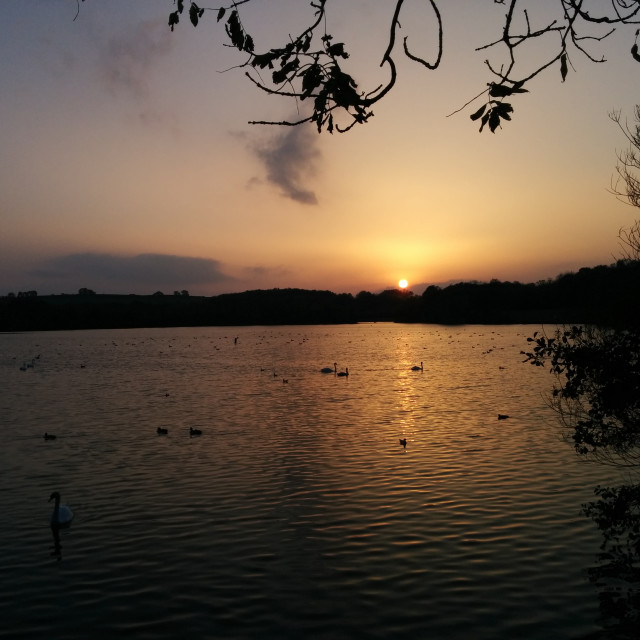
column 127, row 164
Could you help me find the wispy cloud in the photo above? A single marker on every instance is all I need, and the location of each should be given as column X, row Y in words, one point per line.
column 290, row 160
column 131, row 273
column 128, row 60
column 259, row 273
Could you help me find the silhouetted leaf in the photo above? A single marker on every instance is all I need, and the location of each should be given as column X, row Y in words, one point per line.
column 502, row 90
column 281, row 75
column 320, row 103
column 278, row 76
column 180, row 6
column 494, row 120
column 292, row 66
column 174, row 18
column 265, row 59
column 248, row 43
column 234, row 31
column 306, row 43
column 342, row 87
column 503, row 109
column 634, row 52
column 194, row 14
column 286, row 53
column 337, row 50
column 478, row 113
column 563, row 66
column 221, row 13
column 499, row 90
column 311, row 79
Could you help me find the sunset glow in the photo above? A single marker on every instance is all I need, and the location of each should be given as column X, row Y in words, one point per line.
column 124, row 174
column 403, row 284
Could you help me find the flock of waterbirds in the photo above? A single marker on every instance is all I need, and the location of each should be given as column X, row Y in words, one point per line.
column 193, row 432
column 63, row 515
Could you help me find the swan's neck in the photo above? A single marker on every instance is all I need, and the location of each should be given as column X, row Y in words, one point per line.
column 56, row 511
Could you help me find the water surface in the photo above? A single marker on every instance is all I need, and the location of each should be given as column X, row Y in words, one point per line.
column 297, row 513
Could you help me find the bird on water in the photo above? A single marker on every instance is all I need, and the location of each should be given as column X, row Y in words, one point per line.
column 403, row 442
column 49, row 436
column 329, row 369
column 161, row 431
column 417, row 368
column 343, row 374
column 61, row 513
column 194, row 432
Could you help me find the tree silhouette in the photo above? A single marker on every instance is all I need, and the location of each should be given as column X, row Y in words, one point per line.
column 597, row 396
column 311, row 67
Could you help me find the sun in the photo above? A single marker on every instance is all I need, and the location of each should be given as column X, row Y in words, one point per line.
column 403, row 284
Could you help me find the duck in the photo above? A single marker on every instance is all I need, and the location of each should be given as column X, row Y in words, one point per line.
column 195, row 432
column 49, row 436
column 417, row 368
column 61, row 514
column 161, row 431
column 344, row 373
column 403, row 442
column 329, row 369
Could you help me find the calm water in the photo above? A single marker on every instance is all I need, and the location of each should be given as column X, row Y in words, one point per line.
column 297, row 513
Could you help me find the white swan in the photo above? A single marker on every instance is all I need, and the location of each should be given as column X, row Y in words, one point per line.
column 329, row 369
column 61, row 514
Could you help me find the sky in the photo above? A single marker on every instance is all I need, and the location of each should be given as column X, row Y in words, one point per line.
column 127, row 164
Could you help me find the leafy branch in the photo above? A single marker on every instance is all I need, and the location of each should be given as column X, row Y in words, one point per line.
column 311, row 66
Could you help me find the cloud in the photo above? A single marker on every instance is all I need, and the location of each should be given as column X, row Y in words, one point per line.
column 131, row 273
column 128, row 60
column 258, row 273
column 290, row 159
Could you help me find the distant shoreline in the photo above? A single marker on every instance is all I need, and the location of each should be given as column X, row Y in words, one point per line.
column 601, row 295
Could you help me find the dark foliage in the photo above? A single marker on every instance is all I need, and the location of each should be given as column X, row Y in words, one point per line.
column 598, row 389
column 310, row 65
column 602, row 295
column 617, row 575
column 597, row 396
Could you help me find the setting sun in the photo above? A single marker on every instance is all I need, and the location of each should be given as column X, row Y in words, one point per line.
column 403, row 284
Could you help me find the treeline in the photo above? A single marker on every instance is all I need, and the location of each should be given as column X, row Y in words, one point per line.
column 605, row 295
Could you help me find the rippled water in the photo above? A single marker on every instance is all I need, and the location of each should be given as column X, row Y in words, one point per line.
column 297, row 513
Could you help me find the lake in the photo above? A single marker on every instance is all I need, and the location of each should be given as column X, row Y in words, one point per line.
column 297, row 513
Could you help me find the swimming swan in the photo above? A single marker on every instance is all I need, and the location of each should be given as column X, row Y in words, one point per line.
column 194, row 432
column 161, row 431
column 61, row 514
column 344, row 373
column 329, row 369
column 49, row 436
column 417, row 368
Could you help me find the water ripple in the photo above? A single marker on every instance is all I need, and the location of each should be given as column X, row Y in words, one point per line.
column 297, row 513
